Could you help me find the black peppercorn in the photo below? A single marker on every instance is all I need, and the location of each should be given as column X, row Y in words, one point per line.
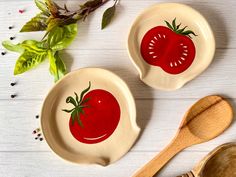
column 36, row 138
column 11, row 38
column 39, row 134
column 13, row 84
column 37, row 116
column 3, row 53
column 13, row 96
column 41, row 139
column 10, row 27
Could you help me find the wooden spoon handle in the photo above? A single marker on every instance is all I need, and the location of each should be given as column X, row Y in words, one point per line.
column 189, row 174
column 153, row 166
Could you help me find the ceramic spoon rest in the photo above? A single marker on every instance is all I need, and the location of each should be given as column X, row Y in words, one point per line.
column 170, row 44
column 90, row 117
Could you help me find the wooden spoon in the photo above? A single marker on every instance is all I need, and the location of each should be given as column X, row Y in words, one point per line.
column 205, row 120
column 221, row 162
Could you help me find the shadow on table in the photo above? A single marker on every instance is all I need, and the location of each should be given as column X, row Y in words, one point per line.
column 68, row 59
column 144, row 106
column 216, row 21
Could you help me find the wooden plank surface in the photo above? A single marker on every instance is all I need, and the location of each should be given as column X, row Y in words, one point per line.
column 159, row 113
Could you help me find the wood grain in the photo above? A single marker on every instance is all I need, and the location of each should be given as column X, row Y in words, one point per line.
column 46, row 164
column 217, row 79
column 159, row 120
column 206, row 119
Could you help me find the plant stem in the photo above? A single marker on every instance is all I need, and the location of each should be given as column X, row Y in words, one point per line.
column 104, row 1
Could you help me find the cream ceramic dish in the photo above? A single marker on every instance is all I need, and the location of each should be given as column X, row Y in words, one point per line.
column 57, row 128
column 166, row 60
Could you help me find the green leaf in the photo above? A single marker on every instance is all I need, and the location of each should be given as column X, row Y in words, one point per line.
column 169, row 25
column 12, row 47
column 76, row 98
column 61, row 37
column 38, row 23
column 108, row 15
column 181, row 30
column 71, row 100
column 28, row 60
column 174, row 24
column 78, row 118
column 33, row 46
column 52, row 23
column 68, row 111
column 85, row 100
column 84, row 91
column 32, row 54
column 178, row 26
column 73, row 114
column 52, row 7
column 42, row 6
column 92, row 3
column 57, row 66
column 188, row 32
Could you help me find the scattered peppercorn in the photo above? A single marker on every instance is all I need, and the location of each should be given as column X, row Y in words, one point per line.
column 10, row 27
column 41, row 139
column 36, row 130
column 21, row 11
column 36, row 138
column 13, row 96
column 13, row 84
column 11, row 38
column 3, row 53
column 39, row 134
column 37, row 116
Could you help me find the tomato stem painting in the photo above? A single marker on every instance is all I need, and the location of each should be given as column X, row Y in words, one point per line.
column 170, row 48
column 95, row 115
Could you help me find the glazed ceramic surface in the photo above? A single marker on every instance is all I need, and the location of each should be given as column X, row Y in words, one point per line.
column 170, row 44
column 84, row 143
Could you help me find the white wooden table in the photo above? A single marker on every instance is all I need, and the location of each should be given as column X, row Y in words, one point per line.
column 159, row 113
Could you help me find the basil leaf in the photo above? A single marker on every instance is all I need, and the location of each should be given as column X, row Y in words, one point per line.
column 57, row 66
column 52, row 7
column 52, row 23
column 108, row 15
column 33, row 46
column 38, row 23
column 42, row 6
column 28, row 60
column 61, row 37
column 12, row 47
column 92, row 3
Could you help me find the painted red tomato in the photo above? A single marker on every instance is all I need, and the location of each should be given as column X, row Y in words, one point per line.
column 169, row 48
column 95, row 115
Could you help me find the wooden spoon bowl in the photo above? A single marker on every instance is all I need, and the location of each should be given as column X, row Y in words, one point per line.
column 221, row 162
column 205, row 120
column 208, row 118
